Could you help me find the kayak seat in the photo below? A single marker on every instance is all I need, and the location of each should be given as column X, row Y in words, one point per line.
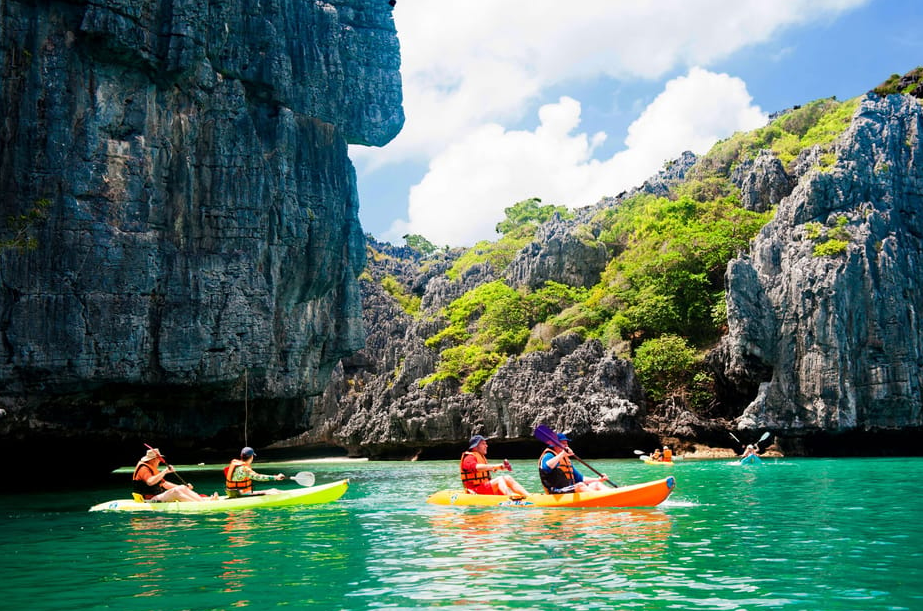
column 137, row 497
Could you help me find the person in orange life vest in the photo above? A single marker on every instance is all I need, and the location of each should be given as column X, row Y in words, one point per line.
column 239, row 476
column 667, row 454
column 149, row 482
column 656, row 455
column 475, row 472
column 558, row 474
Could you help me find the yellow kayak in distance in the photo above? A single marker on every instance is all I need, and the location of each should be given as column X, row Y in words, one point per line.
column 326, row 493
column 647, row 494
column 658, row 462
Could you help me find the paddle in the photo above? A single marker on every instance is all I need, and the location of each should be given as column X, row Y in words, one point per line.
column 169, row 466
column 735, row 438
column 305, row 478
column 762, row 439
column 549, row 437
column 639, row 452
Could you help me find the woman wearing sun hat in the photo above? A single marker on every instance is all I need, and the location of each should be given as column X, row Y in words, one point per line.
column 149, row 482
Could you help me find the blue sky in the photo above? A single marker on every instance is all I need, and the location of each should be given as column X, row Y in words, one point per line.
column 573, row 101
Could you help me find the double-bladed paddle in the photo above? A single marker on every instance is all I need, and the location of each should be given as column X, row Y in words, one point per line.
column 549, row 437
column 764, row 437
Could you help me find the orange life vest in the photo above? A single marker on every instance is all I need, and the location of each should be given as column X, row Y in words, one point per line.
column 140, row 485
column 667, row 456
column 561, row 476
column 244, row 486
column 472, row 479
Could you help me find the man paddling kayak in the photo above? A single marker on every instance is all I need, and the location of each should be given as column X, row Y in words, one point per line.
column 475, row 472
column 239, row 476
column 559, row 475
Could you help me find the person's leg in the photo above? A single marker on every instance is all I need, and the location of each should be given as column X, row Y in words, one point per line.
column 509, row 486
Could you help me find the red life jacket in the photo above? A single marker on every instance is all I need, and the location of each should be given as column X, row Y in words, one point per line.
column 473, row 479
column 560, row 477
column 244, row 486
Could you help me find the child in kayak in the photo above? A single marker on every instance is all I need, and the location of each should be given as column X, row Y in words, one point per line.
column 239, row 476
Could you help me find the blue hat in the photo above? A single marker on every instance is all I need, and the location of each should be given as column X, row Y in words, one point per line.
column 563, row 437
column 247, row 452
column 476, row 440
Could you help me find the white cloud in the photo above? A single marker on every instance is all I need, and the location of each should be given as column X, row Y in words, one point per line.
column 468, row 63
column 468, row 185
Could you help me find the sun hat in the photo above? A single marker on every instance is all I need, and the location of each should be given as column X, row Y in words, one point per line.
column 151, row 454
column 476, row 440
column 247, row 452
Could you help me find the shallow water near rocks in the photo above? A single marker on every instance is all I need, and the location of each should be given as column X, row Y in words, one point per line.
column 786, row 534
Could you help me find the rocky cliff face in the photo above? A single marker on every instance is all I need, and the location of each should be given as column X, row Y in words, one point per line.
column 195, row 272
column 831, row 342
column 823, row 334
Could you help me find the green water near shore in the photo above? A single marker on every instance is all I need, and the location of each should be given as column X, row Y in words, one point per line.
column 788, row 534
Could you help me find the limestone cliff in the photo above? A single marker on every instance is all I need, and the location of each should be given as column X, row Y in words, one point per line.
column 829, row 340
column 194, row 274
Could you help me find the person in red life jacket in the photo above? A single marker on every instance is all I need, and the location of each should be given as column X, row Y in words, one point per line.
column 239, row 476
column 558, row 474
column 667, row 454
column 149, row 482
column 475, row 472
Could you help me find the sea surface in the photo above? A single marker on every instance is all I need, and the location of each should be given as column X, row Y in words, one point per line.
column 788, row 534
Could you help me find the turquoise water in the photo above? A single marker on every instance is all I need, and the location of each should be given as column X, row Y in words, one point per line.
column 787, row 534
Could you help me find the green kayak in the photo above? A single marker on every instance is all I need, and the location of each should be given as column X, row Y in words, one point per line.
column 314, row 495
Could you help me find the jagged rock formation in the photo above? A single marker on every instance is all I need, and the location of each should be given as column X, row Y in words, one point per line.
column 201, row 241
column 820, row 342
column 832, row 343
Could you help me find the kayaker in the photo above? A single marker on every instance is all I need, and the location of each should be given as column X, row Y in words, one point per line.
column 749, row 451
column 656, row 455
column 475, row 472
column 558, row 473
column 667, row 454
column 239, row 476
column 149, row 482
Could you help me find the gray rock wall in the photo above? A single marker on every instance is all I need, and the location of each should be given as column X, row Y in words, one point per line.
column 202, row 226
column 833, row 342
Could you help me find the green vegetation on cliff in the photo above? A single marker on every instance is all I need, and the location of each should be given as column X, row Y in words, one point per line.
column 660, row 300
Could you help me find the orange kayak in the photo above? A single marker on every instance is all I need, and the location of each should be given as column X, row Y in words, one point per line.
column 638, row 495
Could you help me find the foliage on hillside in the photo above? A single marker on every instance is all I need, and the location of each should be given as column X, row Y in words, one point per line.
column 661, row 298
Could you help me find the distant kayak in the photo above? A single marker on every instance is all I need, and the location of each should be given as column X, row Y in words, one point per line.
column 752, row 459
column 639, row 495
column 326, row 493
column 658, row 462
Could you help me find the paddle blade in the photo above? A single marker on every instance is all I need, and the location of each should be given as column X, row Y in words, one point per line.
column 639, row 452
column 764, row 437
column 734, row 438
column 547, row 436
column 644, row 457
column 305, row 478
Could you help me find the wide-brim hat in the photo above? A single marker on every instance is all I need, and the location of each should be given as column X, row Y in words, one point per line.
column 151, row 454
column 475, row 441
